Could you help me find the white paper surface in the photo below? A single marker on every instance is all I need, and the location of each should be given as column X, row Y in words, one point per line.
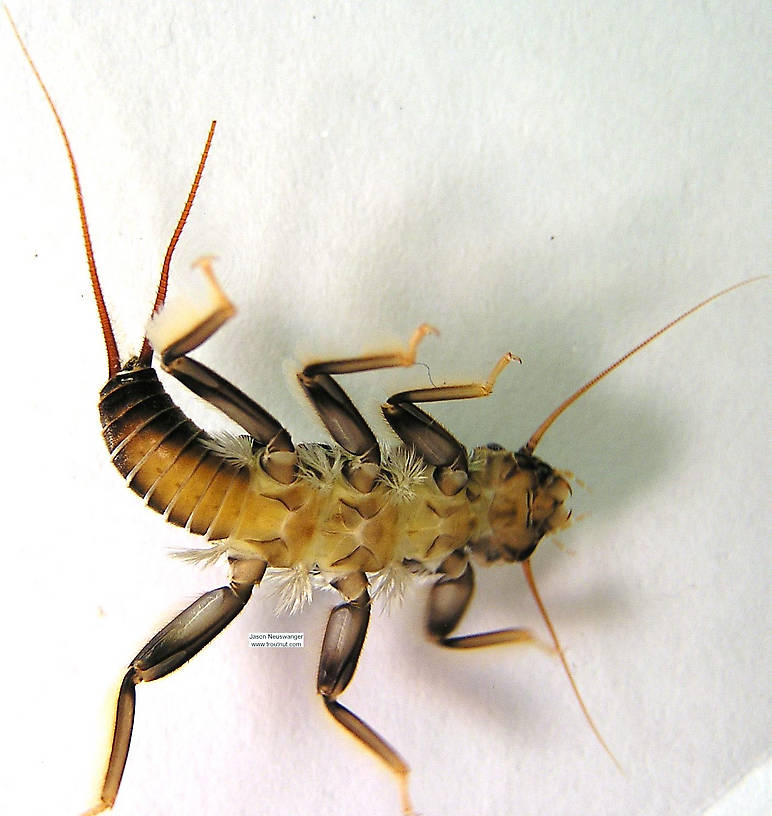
column 558, row 180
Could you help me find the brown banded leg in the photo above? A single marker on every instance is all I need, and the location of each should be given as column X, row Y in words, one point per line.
column 174, row 335
column 174, row 645
column 339, row 415
column 436, row 445
column 342, row 644
column 448, row 600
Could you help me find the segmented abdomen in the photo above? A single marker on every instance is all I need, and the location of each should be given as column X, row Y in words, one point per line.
column 161, row 454
column 169, row 461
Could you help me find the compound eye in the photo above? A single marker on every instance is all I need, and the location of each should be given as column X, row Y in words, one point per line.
column 494, row 446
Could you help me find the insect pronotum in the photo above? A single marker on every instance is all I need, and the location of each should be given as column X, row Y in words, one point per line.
column 355, row 477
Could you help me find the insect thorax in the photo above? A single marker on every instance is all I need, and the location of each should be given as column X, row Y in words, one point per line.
column 511, row 501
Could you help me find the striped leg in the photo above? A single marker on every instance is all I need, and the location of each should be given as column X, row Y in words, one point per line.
column 434, row 443
column 339, row 415
column 175, row 331
column 343, row 640
column 173, row 646
column 449, row 599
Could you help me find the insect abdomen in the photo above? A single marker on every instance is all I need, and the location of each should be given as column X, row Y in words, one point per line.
column 169, row 461
column 161, row 454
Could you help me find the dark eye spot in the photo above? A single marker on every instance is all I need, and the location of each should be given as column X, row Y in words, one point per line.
column 494, row 446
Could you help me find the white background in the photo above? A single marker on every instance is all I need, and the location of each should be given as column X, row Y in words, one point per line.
column 558, row 180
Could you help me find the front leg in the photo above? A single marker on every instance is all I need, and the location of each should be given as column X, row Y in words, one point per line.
column 448, row 601
column 435, row 444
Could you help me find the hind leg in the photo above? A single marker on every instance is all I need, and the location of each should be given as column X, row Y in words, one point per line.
column 175, row 331
column 173, row 646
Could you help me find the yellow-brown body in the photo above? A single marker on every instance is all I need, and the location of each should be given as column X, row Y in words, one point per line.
column 319, row 521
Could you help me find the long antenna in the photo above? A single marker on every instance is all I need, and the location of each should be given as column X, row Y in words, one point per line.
column 529, row 447
column 531, row 444
column 526, row 565
column 113, row 359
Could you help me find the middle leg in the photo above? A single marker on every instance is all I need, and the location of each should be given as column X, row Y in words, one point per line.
column 342, row 644
column 339, row 415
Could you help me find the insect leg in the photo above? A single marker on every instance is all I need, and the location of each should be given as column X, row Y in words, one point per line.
column 339, row 415
column 449, row 599
column 435, row 444
column 343, row 639
column 173, row 335
column 174, row 645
